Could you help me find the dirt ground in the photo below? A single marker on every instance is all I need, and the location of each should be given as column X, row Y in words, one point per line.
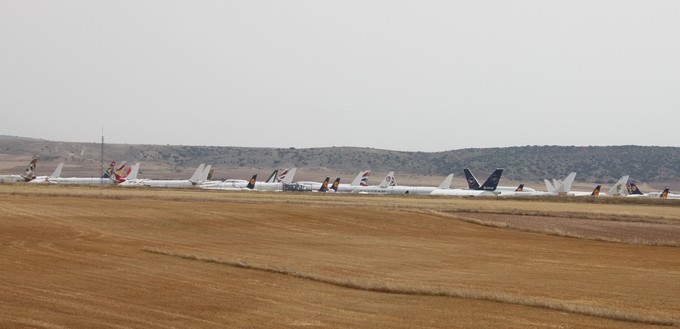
column 113, row 258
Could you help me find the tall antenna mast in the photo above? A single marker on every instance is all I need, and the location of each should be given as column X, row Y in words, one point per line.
column 102, row 158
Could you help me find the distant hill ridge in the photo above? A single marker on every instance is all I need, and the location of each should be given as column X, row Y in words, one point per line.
column 531, row 163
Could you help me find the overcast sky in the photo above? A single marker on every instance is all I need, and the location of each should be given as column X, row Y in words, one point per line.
column 399, row 75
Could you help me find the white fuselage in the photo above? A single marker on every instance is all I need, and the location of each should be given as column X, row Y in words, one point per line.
column 170, row 183
column 399, row 189
column 348, row 188
column 80, row 180
column 264, row 186
column 13, row 179
column 226, row 185
column 461, row 192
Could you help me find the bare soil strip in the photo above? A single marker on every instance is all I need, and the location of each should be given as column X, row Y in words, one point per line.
column 631, row 232
column 374, row 285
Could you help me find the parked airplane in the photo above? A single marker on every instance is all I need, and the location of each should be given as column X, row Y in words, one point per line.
column 286, row 177
column 130, row 178
column 232, row 185
column 308, row 186
column 421, row 190
column 665, row 194
column 27, row 176
column 486, row 189
column 473, row 184
column 46, row 179
column 389, row 180
column 200, row 175
column 595, row 192
column 107, row 178
column 518, row 191
column 360, row 180
column 560, row 187
column 404, row 189
column 619, row 188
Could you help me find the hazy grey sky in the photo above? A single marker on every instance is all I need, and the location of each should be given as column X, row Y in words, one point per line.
column 400, row 75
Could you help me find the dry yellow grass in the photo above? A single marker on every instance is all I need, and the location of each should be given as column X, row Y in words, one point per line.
column 75, row 257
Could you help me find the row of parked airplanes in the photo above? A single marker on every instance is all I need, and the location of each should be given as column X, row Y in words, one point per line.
column 283, row 181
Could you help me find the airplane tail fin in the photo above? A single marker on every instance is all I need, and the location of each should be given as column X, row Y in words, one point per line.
column 134, row 171
column 324, row 185
column 473, row 184
column 362, row 178
column 251, row 182
column 620, row 187
column 492, row 182
column 549, row 186
column 109, row 171
column 335, row 184
column 28, row 173
column 57, row 171
column 119, row 171
column 272, row 177
column 596, row 191
column 557, row 183
column 287, row 176
column 282, row 175
column 634, row 190
column 205, row 174
column 446, row 184
column 197, row 174
column 520, row 188
column 389, row 180
column 565, row 186
column 664, row 194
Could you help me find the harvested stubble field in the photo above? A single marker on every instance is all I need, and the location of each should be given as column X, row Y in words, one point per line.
column 76, row 257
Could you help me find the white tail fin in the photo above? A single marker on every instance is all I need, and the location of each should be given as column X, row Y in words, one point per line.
column 272, row 177
column 360, row 176
column 280, row 176
column 133, row 173
column 565, row 186
column 205, row 174
column 557, row 183
column 446, row 184
column 57, row 172
column 197, row 174
column 389, row 180
column 549, row 186
column 620, row 187
column 287, row 178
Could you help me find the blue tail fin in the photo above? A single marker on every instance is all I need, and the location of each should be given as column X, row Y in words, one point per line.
column 251, row 182
column 634, row 189
column 520, row 188
column 473, row 184
column 335, row 185
column 596, row 191
column 492, row 182
column 664, row 194
column 109, row 171
column 324, row 185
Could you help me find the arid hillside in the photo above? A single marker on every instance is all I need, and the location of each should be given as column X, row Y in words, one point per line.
column 657, row 166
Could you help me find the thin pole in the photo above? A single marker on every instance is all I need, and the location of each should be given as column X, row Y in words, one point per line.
column 102, row 157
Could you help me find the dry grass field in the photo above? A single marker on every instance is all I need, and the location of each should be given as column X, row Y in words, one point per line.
column 75, row 257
